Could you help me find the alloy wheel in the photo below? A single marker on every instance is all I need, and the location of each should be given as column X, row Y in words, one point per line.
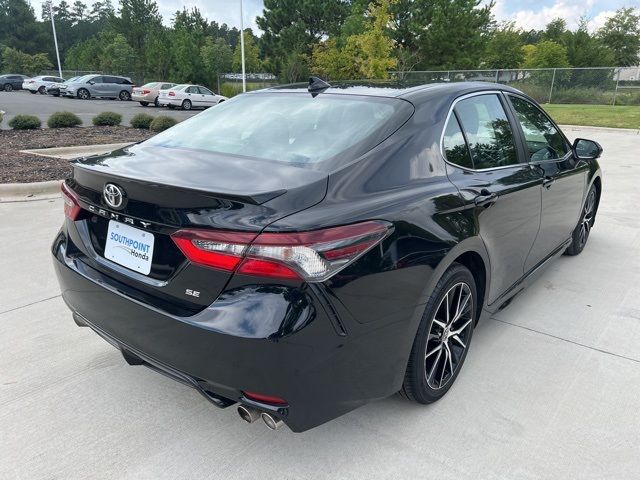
column 448, row 335
column 83, row 94
column 587, row 218
column 8, row 87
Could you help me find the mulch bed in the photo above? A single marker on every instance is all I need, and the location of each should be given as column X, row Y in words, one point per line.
column 16, row 167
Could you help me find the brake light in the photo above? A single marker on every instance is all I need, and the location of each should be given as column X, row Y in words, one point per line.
column 172, row 93
column 146, row 90
column 72, row 207
column 312, row 256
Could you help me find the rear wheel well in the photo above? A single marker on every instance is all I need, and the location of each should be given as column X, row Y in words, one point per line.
column 473, row 261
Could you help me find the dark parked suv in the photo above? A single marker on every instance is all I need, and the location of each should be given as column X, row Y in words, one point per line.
column 11, row 82
column 303, row 250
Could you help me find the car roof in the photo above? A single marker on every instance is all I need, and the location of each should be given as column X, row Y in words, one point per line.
column 412, row 91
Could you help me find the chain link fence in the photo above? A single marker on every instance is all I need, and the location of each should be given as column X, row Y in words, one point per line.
column 604, row 86
column 230, row 84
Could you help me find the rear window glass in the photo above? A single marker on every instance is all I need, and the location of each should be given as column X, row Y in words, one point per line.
column 150, row 85
column 290, row 128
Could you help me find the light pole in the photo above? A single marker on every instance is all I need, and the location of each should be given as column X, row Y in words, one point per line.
column 55, row 38
column 244, row 77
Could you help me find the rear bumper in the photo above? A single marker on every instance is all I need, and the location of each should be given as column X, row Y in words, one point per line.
column 321, row 373
column 136, row 97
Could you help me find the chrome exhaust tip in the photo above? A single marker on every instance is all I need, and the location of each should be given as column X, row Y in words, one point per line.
column 248, row 414
column 274, row 423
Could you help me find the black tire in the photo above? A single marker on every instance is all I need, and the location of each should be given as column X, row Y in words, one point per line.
column 170, row 106
column 8, row 87
column 186, row 104
column 124, row 96
column 33, row 91
column 144, row 104
column 156, row 102
column 83, row 94
column 42, row 90
column 587, row 219
column 417, row 385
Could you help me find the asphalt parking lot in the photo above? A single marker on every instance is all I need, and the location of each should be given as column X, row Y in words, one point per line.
column 42, row 106
column 550, row 389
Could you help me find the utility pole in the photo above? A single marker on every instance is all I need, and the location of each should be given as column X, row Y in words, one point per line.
column 244, row 77
column 55, row 38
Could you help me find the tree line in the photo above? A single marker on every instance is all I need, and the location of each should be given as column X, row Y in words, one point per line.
column 339, row 39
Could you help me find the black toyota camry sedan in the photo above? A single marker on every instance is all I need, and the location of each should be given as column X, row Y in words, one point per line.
column 302, row 250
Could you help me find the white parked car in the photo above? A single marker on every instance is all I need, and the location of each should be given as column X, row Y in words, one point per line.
column 39, row 84
column 189, row 96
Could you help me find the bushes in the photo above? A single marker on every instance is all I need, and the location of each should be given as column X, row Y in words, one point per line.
column 161, row 123
column 109, row 119
column 64, row 120
column 1, row 115
column 141, row 120
column 25, row 122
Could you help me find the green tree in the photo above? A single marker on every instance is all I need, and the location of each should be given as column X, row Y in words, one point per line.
column 217, row 58
column 365, row 55
column 504, row 48
column 546, row 54
column 296, row 26
column 444, row 33
column 251, row 55
column 556, row 31
column 18, row 26
column 621, row 33
column 585, row 50
column 117, row 56
column 14, row 60
column 135, row 18
column 158, row 55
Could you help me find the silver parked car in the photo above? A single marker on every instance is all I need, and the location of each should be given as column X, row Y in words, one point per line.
column 99, row 86
column 148, row 93
column 40, row 83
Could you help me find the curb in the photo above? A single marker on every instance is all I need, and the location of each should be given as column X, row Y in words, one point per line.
column 25, row 192
column 632, row 131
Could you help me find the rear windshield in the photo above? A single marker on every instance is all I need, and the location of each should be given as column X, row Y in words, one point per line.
column 150, row 85
column 291, row 128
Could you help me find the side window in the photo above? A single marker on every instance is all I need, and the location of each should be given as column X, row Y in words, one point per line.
column 205, row 91
column 544, row 141
column 166, row 86
column 97, row 79
column 454, row 145
column 488, row 131
column 110, row 80
column 192, row 90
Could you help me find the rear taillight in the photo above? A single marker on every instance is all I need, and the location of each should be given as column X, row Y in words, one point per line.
column 146, row 90
column 311, row 256
column 72, row 207
column 172, row 93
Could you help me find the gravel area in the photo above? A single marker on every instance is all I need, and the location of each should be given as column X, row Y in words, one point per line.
column 16, row 167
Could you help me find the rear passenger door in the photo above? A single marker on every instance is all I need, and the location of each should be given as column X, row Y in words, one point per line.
column 564, row 178
column 488, row 166
column 208, row 97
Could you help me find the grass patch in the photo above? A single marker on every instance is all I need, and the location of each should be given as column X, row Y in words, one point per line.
column 595, row 115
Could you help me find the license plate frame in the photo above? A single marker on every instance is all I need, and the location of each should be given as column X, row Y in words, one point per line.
column 129, row 247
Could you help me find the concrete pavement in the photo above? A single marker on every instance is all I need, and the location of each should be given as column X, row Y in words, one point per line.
column 42, row 106
column 550, row 389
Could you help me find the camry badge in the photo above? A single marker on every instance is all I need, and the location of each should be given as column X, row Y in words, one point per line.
column 113, row 195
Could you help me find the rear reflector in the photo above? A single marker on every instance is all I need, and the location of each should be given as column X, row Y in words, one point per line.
column 312, row 256
column 72, row 207
column 270, row 399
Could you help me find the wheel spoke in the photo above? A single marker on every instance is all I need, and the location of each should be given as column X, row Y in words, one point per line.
column 436, row 349
column 439, row 323
column 444, row 364
column 461, row 329
column 457, row 339
column 446, row 299
column 433, row 367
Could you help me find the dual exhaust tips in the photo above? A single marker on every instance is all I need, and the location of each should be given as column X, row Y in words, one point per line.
column 250, row 415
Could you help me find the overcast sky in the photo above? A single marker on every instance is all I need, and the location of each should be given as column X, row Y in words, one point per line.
column 527, row 14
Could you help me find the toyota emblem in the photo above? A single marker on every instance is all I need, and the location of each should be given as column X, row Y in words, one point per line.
column 113, row 195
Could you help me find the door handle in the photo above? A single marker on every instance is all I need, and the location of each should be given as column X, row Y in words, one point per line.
column 547, row 181
column 486, row 198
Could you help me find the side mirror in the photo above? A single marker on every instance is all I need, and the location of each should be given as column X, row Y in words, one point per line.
column 91, row 82
column 586, row 149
